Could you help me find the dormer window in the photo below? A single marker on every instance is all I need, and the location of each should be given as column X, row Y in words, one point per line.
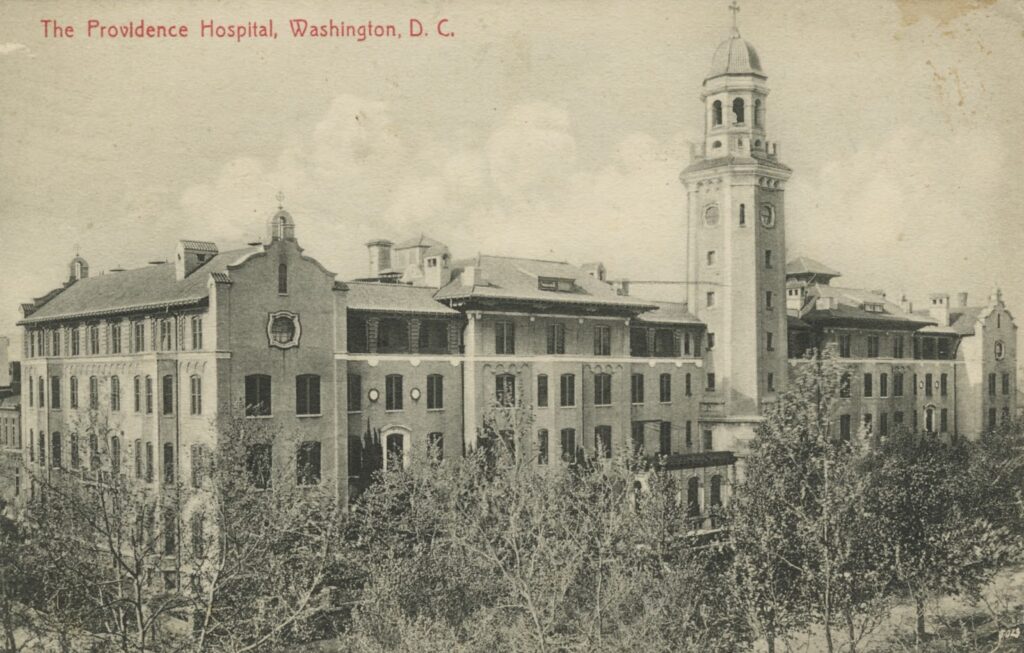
column 872, row 307
column 556, row 285
column 431, row 262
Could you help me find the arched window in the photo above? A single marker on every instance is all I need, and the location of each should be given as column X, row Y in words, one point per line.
column 757, row 113
column 94, row 452
column 395, row 451
column 168, row 464
column 55, row 450
column 138, row 458
column 307, row 394
column 282, row 279
column 42, row 448
column 693, row 497
column 929, row 419
column 73, row 439
column 73, row 390
column 94, row 393
column 844, row 385
column 716, row 113
column 137, row 387
column 737, row 111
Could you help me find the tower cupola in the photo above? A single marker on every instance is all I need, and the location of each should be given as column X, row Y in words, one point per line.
column 281, row 226
column 78, row 269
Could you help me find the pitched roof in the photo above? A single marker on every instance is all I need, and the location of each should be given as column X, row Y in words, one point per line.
column 963, row 319
column 394, row 298
column 419, row 241
column 10, row 402
column 848, row 305
column 806, row 265
column 149, row 287
column 670, row 313
column 500, row 277
column 200, row 245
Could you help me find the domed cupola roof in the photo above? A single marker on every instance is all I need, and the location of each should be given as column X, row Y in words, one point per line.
column 735, row 57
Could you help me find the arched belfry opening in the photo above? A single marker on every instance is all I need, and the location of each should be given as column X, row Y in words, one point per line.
column 716, row 113
column 738, row 114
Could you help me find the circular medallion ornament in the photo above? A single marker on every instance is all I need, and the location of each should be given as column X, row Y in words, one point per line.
column 415, row 394
column 283, row 330
column 711, row 215
column 373, row 394
column 1000, row 350
column 768, row 215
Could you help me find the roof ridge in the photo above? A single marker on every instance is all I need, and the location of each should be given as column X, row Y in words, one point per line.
column 526, row 258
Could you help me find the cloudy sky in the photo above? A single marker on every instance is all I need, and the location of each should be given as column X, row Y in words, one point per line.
column 548, row 129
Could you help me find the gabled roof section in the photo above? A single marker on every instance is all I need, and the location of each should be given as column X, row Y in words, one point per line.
column 419, row 241
column 803, row 265
column 962, row 320
column 394, row 298
column 518, row 279
column 200, row 246
column 153, row 286
column 670, row 313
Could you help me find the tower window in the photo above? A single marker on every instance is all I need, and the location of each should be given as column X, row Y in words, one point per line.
column 710, row 299
column 282, row 279
column 737, row 111
column 743, row 215
column 768, row 258
column 716, row 113
column 758, row 116
column 711, row 257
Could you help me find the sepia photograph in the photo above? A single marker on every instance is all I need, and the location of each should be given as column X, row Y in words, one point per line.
column 556, row 326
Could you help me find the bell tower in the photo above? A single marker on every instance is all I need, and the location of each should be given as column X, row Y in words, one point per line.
column 735, row 244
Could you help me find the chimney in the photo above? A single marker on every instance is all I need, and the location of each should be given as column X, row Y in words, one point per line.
column 380, row 256
column 437, row 270
column 939, row 308
column 470, row 276
column 906, row 305
column 191, row 255
column 621, row 286
column 961, row 299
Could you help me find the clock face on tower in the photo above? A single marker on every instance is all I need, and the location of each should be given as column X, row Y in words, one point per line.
column 768, row 215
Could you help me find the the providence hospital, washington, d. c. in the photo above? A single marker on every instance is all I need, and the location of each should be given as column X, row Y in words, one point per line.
column 410, row 358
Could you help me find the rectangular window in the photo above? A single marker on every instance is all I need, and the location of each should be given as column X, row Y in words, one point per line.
column 897, row 346
column 602, row 389
column 307, row 463
column 433, row 337
column 636, row 388
column 542, row 447
column 897, row 418
column 149, row 395
column 542, row 391
column 883, row 424
column 710, row 299
column 197, row 465
column 844, row 346
column 928, row 385
column 257, row 395
column 115, row 337
column 435, row 446
column 638, row 342
column 868, row 385
column 897, row 384
column 170, row 541
column 167, row 394
column 568, row 390
column 867, row 423
column 603, row 437
column 55, row 450
column 688, row 384
column 568, row 445
column 771, row 382
column 665, row 438
column 768, row 258
column 915, row 384
column 991, row 418
column 1006, row 383
column 665, row 343
column 944, row 385
column 435, row 392
column 94, row 393
column 844, row 385
column 56, row 342
column 708, row 440
column 393, row 392
column 168, row 464
column 711, row 382
column 198, row 539
column 504, row 338
column 944, row 420
column 883, row 385
column 636, row 438
column 505, row 389
column 769, row 299
column 149, row 462
column 943, row 345
column 166, row 340
column 94, row 339
column 844, row 427
column 392, row 336
column 115, row 394
column 711, row 343
column 73, row 442
column 665, row 388
column 197, row 333
column 556, row 338
column 258, row 464
column 357, row 336
column 195, row 404
column 76, row 346
column 602, row 341
column 872, row 346
column 139, row 336
column 769, row 341
column 55, row 392
column 355, row 393
column 991, row 384
column 711, row 257
column 307, row 394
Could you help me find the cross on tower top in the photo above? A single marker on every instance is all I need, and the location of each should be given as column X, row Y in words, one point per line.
column 280, row 199
column 735, row 9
